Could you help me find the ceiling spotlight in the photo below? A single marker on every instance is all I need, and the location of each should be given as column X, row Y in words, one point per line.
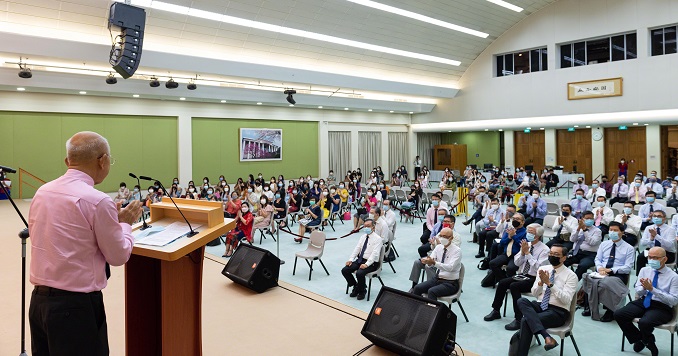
column 111, row 79
column 289, row 93
column 369, row 110
column 291, row 105
column 182, row 99
column 320, row 107
column 171, row 84
column 345, row 108
column 259, row 103
column 191, row 86
column 154, row 82
column 391, row 111
column 24, row 72
column 223, row 101
column 487, row 129
column 83, row 92
column 21, row 89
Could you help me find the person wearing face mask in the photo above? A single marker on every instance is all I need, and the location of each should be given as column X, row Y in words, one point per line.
column 280, row 208
column 551, row 180
column 135, row 195
column 510, row 188
column 586, row 241
column 654, row 186
column 637, row 191
column 446, row 258
column 630, row 224
column 605, row 184
column 492, row 215
column 533, row 253
column 489, row 239
column 333, row 203
column 658, row 234
column 312, row 218
column 646, row 180
column 580, row 185
column 565, row 225
column 417, row 166
column 380, row 225
column 603, row 215
column 479, row 201
column 395, row 180
column 595, row 191
column 174, row 193
column 260, row 179
column 243, row 229
column 264, row 213
column 671, row 194
column 536, row 208
column 270, row 190
column 343, row 193
column 614, row 260
column 657, row 289
column 620, row 191
column 623, row 168
column 361, row 214
column 295, row 200
column 441, row 221
column 363, row 260
column 331, row 179
column 232, row 205
column 192, row 193
column 325, row 203
column 432, row 216
column 123, row 194
column 554, row 287
column 509, row 246
column 180, row 190
column 210, row 196
column 647, row 209
column 254, row 196
column 579, row 204
column 151, row 197
column 389, row 216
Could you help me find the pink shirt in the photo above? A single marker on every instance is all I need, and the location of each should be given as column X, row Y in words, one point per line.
column 74, row 231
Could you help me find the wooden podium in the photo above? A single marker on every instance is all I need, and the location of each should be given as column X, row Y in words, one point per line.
column 163, row 285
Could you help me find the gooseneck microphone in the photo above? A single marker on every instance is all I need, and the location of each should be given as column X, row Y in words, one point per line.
column 192, row 232
column 145, row 226
column 7, row 169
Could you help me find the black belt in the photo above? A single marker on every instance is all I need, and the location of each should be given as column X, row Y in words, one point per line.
column 55, row 292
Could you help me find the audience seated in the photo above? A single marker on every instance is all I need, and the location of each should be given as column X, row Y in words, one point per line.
column 579, row 204
column 363, row 260
column 446, row 258
column 135, row 195
column 536, row 209
column 388, row 215
column 658, row 234
column 657, row 289
column 671, row 194
column 620, row 191
column 603, row 215
column 551, row 181
column 564, row 226
column 595, row 191
column 479, row 202
column 580, row 185
column 510, row 187
column 280, row 207
column 311, row 218
column 486, row 237
column 492, row 215
column 607, row 186
column 637, row 191
column 509, row 246
column 647, row 209
column 586, row 240
column 654, row 186
column 630, row 224
column 380, row 225
column 361, row 213
column 243, row 229
column 608, row 285
column 123, row 194
column 444, row 220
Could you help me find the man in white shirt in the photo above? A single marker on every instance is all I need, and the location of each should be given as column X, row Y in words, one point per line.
column 389, row 216
column 602, row 215
column 595, row 191
column 532, row 254
column 620, row 191
column 380, row 225
column 586, row 241
column 363, row 260
column 647, row 209
column 444, row 221
column 655, row 186
column 446, row 257
column 488, row 239
column 554, row 287
column 564, row 226
column 630, row 224
column 659, row 234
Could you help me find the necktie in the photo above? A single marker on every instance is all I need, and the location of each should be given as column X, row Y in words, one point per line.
column 618, row 190
column 527, row 265
column 656, row 242
column 578, row 244
column 637, row 200
column 534, row 213
column 599, row 217
column 651, row 209
column 547, row 293
column 509, row 248
column 610, row 260
column 362, row 252
column 435, row 216
column 648, row 296
column 442, row 260
column 579, row 209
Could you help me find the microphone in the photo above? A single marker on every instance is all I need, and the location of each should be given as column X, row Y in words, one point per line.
column 145, row 226
column 7, row 169
column 192, row 232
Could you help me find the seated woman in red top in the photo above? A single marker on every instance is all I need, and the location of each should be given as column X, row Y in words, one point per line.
column 243, row 229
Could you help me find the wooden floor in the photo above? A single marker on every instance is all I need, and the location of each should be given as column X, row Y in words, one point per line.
column 236, row 321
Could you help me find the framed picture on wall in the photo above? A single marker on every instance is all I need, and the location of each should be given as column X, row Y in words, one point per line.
column 260, row 145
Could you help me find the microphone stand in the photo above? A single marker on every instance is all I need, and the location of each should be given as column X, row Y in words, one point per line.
column 23, row 235
column 188, row 234
column 145, row 225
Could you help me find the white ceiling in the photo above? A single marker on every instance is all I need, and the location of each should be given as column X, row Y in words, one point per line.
column 232, row 51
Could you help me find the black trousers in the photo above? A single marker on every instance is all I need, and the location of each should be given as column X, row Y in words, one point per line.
column 499, row 261
column 477, row 215
column 485, row 239
column 517, row 288
column 618, row 200
column 417, row 170
column 67, row 323
column 630, row 239
column 436, row 287
column 424, row 249
column 535, row 320
column 584, row 259
column 533, row 219
column 558, row 240
column 641, row 261
column 657, row 314
column 347, row 272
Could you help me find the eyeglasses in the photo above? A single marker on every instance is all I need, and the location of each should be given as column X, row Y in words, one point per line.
column 110, row 158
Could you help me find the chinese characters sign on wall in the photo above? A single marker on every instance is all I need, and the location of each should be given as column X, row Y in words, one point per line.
column 594, row 89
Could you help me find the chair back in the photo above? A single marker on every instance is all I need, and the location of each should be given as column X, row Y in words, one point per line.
column 377, row 272
column 562, row 201
column 400, row 196
column 673, row 324
column 549, row 220
column 363, row 191
column 661, row 201
column 391, row 194
column 636, row 208
column 552, row 209
column 615, row 212
column 618, row 206
column 317, row 242
column 573, row 308
column 670, row 211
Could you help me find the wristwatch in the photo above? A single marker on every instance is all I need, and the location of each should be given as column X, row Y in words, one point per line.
column 550, row 285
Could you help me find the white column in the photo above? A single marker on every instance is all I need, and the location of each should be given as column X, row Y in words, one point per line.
column 509, row 150
column 324, row 151
column 384, row 153
column 185, row 147
column 354, row 152
column 597, row 155
column 654, row 154
column 412, row 149
column 550, row 143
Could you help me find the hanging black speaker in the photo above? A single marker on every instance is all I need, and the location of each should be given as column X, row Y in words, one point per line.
column 253, row 267
column 408, row 324
column 126, row 51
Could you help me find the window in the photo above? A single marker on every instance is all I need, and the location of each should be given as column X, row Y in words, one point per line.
column 663, row 40
column 522, row 62
column 600, row 50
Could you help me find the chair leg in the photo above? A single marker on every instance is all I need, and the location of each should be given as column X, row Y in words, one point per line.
column 294, row 270
column 462, row 310
column 505, row 300
column 390, row 264
column 538, row 340
column 380, row 281
column 310, row 270
column 562, row 346
column 576, row 348
column 671, row 344
column 347, row 287
column 394, row 250
column 369, row 289
column 322, row 264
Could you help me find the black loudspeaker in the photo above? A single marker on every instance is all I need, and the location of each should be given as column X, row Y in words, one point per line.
column 408, row 324
column 253, row 267
column 126, row 53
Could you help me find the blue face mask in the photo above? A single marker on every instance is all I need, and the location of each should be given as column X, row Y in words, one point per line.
column 650, row 200
column 277, row 196
column 580, row 197
column 588, row 222
column 367, row 230
column 387, row 207
column 529, row 237
column 312, row 202
column 655, row 264
column 614, row 236
column 594, row 185
column 657, row 221
column 628, row 211
column 435, row 203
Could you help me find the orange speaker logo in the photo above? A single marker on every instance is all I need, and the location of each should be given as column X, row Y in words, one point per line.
column 254, row 265
column 377, row 311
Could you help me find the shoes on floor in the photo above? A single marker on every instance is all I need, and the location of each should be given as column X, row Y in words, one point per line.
column 361, row 296
column 607, row 317
column 494, row 315
column 586, row 312
column 354, row 293
column 638, row 346
column 653, row 348
column 480, row 255
column 550, row 343
column 513, row 326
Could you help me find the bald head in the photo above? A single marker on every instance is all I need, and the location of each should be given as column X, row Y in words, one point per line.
column 85, row 147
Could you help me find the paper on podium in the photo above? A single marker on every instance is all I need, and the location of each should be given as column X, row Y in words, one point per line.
column 161, row 236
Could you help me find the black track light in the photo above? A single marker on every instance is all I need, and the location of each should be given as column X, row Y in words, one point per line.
column 24, row 72
column 111, row 79
column 191, row 86
column 154, row 83
column 289, row 93
column 171, row 84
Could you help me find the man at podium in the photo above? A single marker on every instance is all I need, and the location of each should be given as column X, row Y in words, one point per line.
column 76, row 231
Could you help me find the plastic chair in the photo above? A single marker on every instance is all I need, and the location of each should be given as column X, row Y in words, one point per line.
column 314, row 251
column 387, row 251
column 375, row 273
column 265, row 230
column 455, row 297
column 671, row 327
column 618, row 206
column 295, row 215
column 552, row 209
column 566, row 330
column 661, row 201
column 549, row 220
column 400, row 197
column 670, row 211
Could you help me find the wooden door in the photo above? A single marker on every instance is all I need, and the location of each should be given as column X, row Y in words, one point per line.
column 574, row 149
column 449, row 156
column 629, row 144
column 530, row 149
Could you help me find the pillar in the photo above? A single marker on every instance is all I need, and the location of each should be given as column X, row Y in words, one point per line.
column 185, row 147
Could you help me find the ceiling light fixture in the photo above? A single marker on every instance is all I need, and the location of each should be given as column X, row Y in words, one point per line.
column 183, row 10
column 391, row 111
column 320, row 107
column 635, row 124
column 136, row 95
column 182, row 99
column 21, row 89
column 291, row 105
column 541, row 128
column 345, row 108
column 83, row 92
column 576, row 126
column 369, row 110
column 223, row 101
column 411, row 112
column 588, row 126
column 646, row 124
column 416, row 16
column 289, row 93
column 111, row 79
column 258, row 103
column 171, row 84
column 154, row 83
column 500, row 130
column 487, row 129
column 191, row 85
column 507, row 5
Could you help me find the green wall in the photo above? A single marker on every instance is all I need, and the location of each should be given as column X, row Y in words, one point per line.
column 36, row 142
column 484, row 144
column 216, row 149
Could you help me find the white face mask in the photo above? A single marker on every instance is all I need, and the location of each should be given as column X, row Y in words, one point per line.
column 444, row 241
column 369, row 194
column 332, row 191
column 150, row 191
column 244, row 209
column 204, row 180
column 535, row 196
column 191, row 190
column 495, row 206
column 263, row 201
